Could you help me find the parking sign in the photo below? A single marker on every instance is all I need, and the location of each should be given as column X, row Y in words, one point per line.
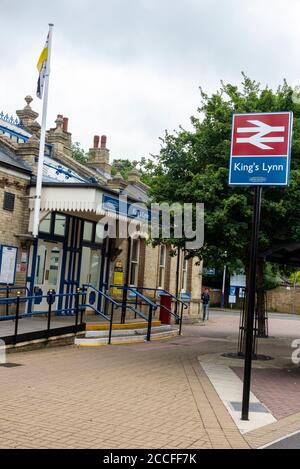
column 260, row 149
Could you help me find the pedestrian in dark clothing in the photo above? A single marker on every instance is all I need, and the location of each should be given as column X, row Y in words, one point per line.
column 205, row 298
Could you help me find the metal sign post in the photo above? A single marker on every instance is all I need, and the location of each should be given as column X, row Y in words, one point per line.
column 251, row 301
column 260, row 156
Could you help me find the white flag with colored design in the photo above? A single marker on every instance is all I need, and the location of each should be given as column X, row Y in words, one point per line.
column 42, row 68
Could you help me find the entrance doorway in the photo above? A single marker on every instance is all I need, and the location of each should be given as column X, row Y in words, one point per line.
column 90, row 266
column 48, row 270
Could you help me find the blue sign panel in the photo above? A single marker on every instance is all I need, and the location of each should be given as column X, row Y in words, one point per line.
column 260, row 149
column 136, row 210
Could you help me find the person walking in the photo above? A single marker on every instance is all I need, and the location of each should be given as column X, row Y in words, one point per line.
column 205, row 298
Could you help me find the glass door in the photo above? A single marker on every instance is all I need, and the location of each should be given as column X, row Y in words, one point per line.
column 47, row 275
column 90, row 266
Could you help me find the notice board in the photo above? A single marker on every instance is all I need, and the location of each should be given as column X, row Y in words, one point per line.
column 8, row 264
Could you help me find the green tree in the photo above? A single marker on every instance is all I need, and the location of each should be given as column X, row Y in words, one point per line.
column 78, row 153
column 124, row 165
column 193, row 167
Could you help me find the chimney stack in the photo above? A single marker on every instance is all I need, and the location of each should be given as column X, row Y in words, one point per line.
column 65, row 124
column 99, row 157
column 103, row 141
column 96, row 141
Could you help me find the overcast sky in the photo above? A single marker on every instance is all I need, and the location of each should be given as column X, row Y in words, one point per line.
column 131, row 68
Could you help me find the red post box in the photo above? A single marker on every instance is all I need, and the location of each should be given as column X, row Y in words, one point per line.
column 165, row 308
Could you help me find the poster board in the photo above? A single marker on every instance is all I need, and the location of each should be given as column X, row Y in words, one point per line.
column 8, row 264
column 118, row 277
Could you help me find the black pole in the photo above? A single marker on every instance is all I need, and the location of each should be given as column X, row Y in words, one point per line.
column 180, row 320
column 111, row 323
column 7, row 296
column 83, row 305
column 251, row 302
column 77, row 308
column 124, row 300
column 177, row 279
column 17, row 317
column 149, row 323
column 50, row 296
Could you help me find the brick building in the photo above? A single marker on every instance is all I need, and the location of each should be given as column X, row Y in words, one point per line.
column 77, row 205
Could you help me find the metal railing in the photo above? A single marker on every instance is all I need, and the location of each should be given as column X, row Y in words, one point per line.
column 20, row 304
column 50, row 297
column 144, row 300
column 175, row 300
column 114, row 304
column 7, row 300
column 122, row 305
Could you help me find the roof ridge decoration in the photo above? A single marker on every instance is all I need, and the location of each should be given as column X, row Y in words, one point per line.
column 11, row 120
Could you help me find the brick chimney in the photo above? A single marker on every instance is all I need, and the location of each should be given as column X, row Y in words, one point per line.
column 99, row 157
column 65, row 124
column 60, row 137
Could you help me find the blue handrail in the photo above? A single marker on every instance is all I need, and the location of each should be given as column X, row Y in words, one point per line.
column 50, row 296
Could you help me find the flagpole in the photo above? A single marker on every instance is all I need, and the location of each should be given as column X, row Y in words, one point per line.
column 39, row 176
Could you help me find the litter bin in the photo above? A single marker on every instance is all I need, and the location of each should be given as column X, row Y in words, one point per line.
column 165, row 308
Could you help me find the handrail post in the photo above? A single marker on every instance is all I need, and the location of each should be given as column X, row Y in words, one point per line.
column 83, row 301
column 76, row 308
column 50, row 295
column 124, row 305
column 180, row 321
column 7, row 296
column 136, row 302
column 149, row 323
column 17, row 317
column 111, row 323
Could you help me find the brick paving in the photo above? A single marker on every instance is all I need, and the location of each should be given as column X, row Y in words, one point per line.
column 278, row 389
column 152, row 395
column 112, row 397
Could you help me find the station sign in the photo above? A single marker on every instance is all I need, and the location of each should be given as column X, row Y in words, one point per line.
column 260, row 149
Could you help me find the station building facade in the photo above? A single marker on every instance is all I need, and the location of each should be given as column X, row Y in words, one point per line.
column 79, row 204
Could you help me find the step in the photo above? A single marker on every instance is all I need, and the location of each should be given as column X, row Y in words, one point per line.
column 100, row 341
column 98, row 326
column 127, row 332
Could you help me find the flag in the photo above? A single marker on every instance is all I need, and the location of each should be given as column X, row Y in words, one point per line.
column 42, row 67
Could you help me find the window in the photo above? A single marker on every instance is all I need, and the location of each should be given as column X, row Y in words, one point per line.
column 41, row 262
column 45, row 224
column 162, row 266
column 99, row 233
column 9, row 201
column 59, row 225
column 53, row 266
column 184, row 274
column 134, row 261
column 88, row 231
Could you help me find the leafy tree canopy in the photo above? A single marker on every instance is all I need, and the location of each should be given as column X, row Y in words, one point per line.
column 124, row 165
column 193, row 167
column 78, row 153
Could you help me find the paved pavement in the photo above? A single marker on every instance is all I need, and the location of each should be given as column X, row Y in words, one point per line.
column 291, row 442
column 152, row 395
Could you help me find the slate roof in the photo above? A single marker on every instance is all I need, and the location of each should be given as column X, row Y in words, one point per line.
column 9, row 159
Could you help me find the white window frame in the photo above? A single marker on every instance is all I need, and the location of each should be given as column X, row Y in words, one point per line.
column 135, row 262
column 162, row 267
column 184, row 274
